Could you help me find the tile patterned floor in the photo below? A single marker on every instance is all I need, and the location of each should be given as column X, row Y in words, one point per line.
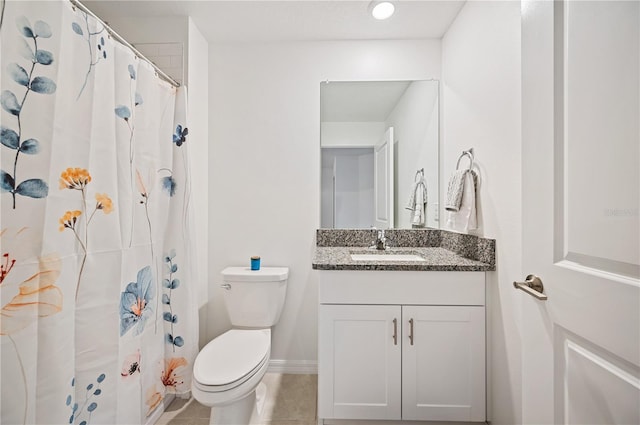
column 291, row 400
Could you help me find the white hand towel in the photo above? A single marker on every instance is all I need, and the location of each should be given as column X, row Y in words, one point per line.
column 419, row 216
column 455, row 190
column 465, row 218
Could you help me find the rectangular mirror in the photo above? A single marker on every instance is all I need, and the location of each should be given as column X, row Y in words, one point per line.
column 378, row 139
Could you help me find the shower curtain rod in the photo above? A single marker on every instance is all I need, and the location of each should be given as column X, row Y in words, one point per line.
column 117, row 36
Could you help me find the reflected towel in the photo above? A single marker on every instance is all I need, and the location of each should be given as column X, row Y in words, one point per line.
column 417, row 202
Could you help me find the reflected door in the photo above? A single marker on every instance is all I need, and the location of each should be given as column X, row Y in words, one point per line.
column 580, row 109
column 383, row 181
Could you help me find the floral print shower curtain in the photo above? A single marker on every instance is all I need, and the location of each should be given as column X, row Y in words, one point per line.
column 98, row 318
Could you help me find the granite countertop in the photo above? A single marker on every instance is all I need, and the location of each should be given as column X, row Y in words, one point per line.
column 437, row 259
column 442, row 251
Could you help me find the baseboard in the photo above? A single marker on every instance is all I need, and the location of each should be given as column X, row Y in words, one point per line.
column 301, row 367
column 389, row 422
column 166, row 401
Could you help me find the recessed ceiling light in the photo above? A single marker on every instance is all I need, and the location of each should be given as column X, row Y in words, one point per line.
column 381, row 9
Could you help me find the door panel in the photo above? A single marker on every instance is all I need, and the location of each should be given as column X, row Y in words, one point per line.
column 598, row 388
column 597, row 97
column 580, row 108
column 359, row 362
column 443, row 370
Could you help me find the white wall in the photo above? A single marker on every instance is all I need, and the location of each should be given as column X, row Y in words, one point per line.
column 342, row 134
column 160, row 30
column 170, row 57
column 415, row 122
column 481, row 106
column 326, row 191
column 198, row 115
column 265, row 162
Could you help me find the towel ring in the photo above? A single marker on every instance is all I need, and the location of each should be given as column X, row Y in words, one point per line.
column 468, row 153
column 420, row 171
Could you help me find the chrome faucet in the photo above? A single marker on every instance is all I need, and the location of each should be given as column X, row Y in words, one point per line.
column 381, row 241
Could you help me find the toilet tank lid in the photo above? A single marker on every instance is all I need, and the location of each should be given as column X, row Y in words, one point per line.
column 245, row 274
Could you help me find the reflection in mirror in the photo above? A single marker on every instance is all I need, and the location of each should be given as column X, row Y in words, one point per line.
column 364, row 181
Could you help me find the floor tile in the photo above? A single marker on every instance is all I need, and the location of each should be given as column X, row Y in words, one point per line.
column 290, row 397
column 181, row 409
column 188, row 421
column 291, row 400
column 283, row 422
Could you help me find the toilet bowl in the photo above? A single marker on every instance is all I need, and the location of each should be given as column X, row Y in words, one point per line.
column 229, row 369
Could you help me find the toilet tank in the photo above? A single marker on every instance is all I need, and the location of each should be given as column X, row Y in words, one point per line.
column 254, row 298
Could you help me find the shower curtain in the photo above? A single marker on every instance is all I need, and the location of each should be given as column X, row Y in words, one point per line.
column 98, row 318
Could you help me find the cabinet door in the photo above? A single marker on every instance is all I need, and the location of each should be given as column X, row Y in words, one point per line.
column 443, row 376
column 359, row 362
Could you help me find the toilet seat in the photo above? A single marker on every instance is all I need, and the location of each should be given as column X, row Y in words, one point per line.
column 231, row 359
column 233, row 385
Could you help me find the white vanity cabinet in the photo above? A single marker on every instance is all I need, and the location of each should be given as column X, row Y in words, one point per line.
column 443, row 369
column 402, row 345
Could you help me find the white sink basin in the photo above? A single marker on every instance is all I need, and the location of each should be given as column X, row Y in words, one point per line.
column 386, row 257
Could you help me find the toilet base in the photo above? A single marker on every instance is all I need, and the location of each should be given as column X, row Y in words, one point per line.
column 244, row 411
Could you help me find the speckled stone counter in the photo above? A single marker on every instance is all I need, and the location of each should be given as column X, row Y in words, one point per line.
column 441, row 249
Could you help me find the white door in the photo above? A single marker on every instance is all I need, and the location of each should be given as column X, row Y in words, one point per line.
column 383, row 181
column 359, row 361
column 443, row 363
column 580, row 156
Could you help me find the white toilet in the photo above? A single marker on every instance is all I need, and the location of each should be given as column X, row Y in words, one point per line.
column 228, row 370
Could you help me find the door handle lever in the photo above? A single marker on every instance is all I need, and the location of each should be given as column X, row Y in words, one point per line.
column 532, row 286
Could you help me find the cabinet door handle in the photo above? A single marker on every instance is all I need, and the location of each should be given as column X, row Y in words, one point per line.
column 411, row 331
column 395, row 331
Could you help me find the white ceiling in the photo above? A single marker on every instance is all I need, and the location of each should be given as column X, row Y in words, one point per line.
column 360, row 101
column 266, row 20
